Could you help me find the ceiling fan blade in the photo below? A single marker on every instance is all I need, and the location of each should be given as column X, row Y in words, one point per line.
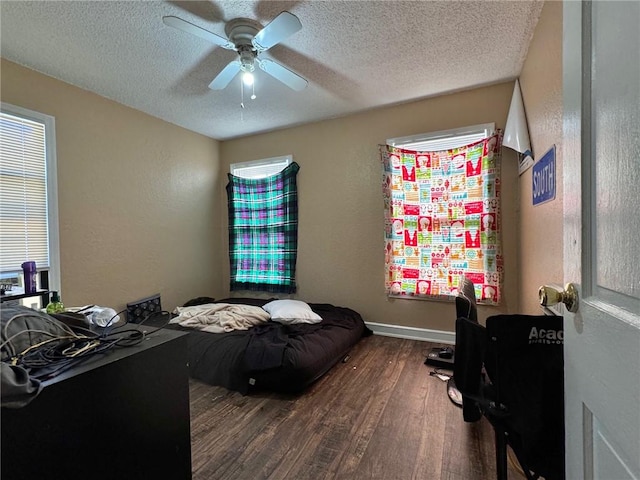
column 225, row 76
column 281, row 27
column 279, row 72
column 188, row 27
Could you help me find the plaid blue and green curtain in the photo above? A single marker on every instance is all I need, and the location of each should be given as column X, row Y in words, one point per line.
column 263, row 231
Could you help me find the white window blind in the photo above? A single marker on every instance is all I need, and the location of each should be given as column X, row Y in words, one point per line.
column 444, row 139
column 261, row 168
column 24, row 232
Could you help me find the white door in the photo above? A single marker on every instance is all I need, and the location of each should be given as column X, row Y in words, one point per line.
column 601, row 171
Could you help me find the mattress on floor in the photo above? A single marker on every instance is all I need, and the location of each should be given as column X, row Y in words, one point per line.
column 272, row 356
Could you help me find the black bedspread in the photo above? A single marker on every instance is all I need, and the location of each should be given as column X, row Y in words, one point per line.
column 272, row 356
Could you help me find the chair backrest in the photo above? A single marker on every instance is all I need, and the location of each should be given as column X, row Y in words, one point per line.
column 471, row 339
column 524, row 361
column 470, row 348
column 466, row 300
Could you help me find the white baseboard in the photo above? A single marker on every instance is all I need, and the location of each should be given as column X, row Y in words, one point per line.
column 412, row 333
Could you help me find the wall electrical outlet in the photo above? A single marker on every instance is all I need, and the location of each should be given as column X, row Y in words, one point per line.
column 140, row 310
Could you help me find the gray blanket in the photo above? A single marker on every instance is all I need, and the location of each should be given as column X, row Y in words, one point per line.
column 20, row 328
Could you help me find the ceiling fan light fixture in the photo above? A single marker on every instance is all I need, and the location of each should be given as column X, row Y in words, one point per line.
column 248, row 38
column 247, row 58
column 247, row 78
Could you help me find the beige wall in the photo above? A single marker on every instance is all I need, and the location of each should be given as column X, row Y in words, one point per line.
column 541, row 227
column 341, row 248
column 137, row 197
column 143, row 208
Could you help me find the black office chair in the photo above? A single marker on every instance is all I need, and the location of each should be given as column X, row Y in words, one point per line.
column 525, row 362
column 466, row 307
column 512, row 373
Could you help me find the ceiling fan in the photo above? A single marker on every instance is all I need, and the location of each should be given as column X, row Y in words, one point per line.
column 247, row 38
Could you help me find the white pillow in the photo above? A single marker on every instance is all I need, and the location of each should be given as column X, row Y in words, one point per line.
column 291, row 311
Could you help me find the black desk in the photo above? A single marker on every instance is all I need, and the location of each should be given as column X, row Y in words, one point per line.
column 43, row 294
column 122, row 415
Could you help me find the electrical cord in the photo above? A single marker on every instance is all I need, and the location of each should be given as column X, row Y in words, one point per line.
column 67, row 348
column 8, row 347
column 49, row 359
column 112, row 324
column 437, row 372
column 72, row 345
column 153, row 314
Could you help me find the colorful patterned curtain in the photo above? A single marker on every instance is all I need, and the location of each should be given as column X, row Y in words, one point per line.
column 442, row 220
column 263, row 231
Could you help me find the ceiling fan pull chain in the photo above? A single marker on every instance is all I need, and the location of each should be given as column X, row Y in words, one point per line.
column 241, row 101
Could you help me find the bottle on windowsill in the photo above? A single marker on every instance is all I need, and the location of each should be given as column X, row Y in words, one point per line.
column 55, row 305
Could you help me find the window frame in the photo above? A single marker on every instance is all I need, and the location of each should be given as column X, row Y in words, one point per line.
column 439, row 141
column 237, row 169
column 51, row 172
column 446, row 138
column 238, row 174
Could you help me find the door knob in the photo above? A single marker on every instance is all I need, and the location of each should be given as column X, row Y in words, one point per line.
column 550, row 296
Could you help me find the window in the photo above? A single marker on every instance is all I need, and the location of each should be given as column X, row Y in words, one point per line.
column 442, row 213
column 263, row 225
column 28, row 194
column 260, row 168
column 445, row 139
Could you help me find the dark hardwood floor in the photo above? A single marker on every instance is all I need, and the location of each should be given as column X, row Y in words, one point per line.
column 377, row 416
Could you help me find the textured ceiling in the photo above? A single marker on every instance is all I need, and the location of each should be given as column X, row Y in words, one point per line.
column 356, row 55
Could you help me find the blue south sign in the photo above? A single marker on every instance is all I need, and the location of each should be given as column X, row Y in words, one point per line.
column 544, row 178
